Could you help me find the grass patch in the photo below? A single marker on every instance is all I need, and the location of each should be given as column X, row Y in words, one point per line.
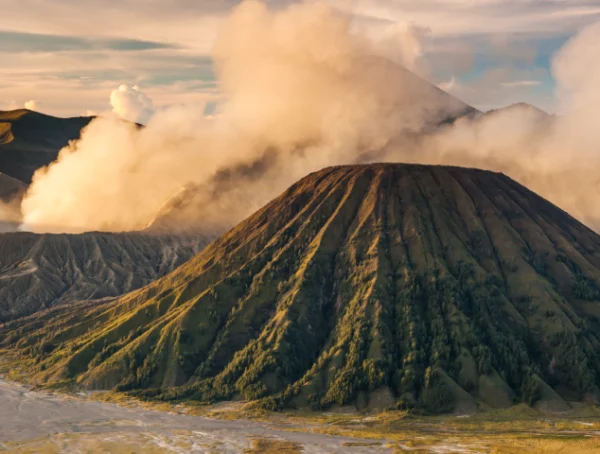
column 268, row 446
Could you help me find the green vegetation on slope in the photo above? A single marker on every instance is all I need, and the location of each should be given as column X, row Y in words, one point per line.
column 377, row 286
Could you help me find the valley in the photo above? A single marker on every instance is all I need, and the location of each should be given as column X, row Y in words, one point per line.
column 38, row 421
column 373, row 287
column 45, row 422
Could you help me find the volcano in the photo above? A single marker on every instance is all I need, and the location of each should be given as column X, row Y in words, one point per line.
column 375, row 286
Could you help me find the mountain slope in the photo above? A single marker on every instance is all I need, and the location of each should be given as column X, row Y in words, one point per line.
column 422, row 101
column 30, row 140
column 377, row 286
column 521, row 106
column 11, row 188
column 41, row 271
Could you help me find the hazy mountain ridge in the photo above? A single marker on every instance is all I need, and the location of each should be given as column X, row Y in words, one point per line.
column 11, row 191
column 376, row 286
column 521, row 106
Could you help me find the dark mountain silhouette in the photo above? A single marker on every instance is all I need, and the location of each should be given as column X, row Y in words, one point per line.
column 377, row 286
column 30, row 140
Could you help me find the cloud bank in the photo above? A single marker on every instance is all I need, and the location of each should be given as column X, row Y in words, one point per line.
column 49, row 55
column 31, row 105
column 320, row 92
column 316, row 93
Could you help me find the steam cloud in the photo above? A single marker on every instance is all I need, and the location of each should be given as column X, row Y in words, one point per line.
column 9, row 216
column 131, row 104
column 556, row 156
column 31, row 105
column 302, row 91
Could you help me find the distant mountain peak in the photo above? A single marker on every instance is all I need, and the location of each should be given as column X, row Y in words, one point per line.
column 521, row 105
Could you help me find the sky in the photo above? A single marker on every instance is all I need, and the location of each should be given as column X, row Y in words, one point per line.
column 69, row 57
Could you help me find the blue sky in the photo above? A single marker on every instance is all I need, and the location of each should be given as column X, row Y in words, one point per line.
column 68, row 55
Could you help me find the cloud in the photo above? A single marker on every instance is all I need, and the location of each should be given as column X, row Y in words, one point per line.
column 182, row 23
column 319, row 94
column 448, row 85
column 66, row 94
column 131, row 104
column 316, row 92
column 161, row 39
column 555, row 156
column 31, row 105
column 67, row 83
column 8, row 104
column 191, row 23
column 499, row 86
column 478, row 17
column 522, row 83
column 577, row 71
column 402, row 43
column 17, row 42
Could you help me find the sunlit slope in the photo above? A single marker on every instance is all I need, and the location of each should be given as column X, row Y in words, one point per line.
column 376, row 286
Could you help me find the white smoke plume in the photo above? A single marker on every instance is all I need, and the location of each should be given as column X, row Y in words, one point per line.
column 9, row 217
column 31, row 105
column 555, row 156
column 297, row 82
column 131, row 104
column 401, row 43
column 303, row 90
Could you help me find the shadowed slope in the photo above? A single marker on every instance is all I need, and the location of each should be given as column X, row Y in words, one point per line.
column 376, row 285
column 31, row 140
column 11, row 189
